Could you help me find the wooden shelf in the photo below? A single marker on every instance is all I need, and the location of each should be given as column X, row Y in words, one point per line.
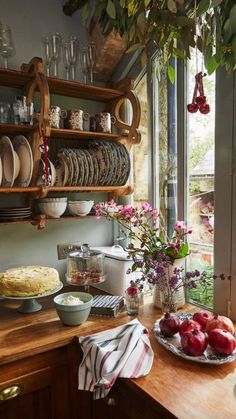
column 35, row 220
column 19, row 79
column 69, row 134
column 41, row 220
column 82, row 91
column 31, row 79
column 121, row 190
column 14, row 78
column 17, row 129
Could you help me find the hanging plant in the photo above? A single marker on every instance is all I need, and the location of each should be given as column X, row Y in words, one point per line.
column 172, row 27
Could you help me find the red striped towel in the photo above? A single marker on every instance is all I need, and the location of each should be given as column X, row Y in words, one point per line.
column 124, row 351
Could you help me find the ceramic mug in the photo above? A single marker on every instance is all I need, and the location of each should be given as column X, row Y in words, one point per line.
column 54, row 115
column 75, row 119
column 104, row 120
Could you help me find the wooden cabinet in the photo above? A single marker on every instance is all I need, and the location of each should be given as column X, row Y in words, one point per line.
column 32, row 79
column 38, row 387
column 127, row 402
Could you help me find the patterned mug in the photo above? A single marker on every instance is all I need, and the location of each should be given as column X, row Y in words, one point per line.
column 54, row 115
column 75, row 119
column 104, row 120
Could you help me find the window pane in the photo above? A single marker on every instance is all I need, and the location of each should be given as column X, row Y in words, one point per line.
column 166, row 145
column 200, row 186
column 140, row 151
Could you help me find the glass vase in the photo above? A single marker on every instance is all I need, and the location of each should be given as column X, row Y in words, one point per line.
column 169, row 301
column 133, row 303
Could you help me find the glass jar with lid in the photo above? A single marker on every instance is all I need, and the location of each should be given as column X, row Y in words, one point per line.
column 85, row 267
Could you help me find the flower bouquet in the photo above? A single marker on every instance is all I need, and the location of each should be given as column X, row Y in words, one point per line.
column 153, row 253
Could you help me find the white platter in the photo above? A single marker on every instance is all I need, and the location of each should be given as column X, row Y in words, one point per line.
column 23, row 149
column 10, row 162
column 173, row 345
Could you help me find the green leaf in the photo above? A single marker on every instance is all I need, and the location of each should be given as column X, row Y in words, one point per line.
column 203, row 7
column 183, row 251
column 85, row 13
column 227, row 31
column 216, row 3
column 232, row 18
column 178, row 53
column 171, row 73
column 122, row 3
column 234, row 45
column 133, row 48
column 184, row 21
column 212, row 65
column 144, row 58
column 111, row 9
column 134, row 266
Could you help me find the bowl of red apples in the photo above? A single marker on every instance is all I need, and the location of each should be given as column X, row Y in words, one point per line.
column 201, row 336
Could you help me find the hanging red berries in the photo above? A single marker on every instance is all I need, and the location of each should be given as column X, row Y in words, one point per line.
column 199, row 102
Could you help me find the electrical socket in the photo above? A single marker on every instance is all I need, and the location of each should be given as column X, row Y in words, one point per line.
column 64, row 248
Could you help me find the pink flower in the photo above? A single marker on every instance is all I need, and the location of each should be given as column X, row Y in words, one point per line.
column 180, row 225
column 146, row 207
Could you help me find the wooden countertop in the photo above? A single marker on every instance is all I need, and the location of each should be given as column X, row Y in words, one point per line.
column 186, row 389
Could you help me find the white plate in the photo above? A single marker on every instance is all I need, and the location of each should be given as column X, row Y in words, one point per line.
column 10, row 162
column 23, row 149
column 173, row 345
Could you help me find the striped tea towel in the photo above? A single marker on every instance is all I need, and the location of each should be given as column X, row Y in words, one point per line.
column 124, row 351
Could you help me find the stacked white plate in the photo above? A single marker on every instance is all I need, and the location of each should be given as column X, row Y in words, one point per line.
column 14, row 214
column 16, row 162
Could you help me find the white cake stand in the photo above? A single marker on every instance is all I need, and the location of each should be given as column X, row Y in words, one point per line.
column 29, row 304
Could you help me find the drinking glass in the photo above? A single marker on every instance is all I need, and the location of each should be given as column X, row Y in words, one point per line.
column 47, row 53
column 73, row 54
column 83, row 60
column 91, row 57
column 55, row 43
column 7, row 48
column 66, row 58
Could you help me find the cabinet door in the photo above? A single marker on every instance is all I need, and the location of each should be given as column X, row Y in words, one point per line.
column 127, row 402
column 42, row 384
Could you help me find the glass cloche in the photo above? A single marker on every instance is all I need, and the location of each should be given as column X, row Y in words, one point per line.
column 85, row 267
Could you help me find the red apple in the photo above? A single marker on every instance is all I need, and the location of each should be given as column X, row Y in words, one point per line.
column 220, row 322
column 169, row 325
column 194, row 342
column 201, row 317
column 222, row 342
column 188, row 325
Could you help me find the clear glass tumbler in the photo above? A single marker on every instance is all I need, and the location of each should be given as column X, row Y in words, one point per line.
column 133, row 303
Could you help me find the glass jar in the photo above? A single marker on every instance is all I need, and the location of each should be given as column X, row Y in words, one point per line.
column 85, row 267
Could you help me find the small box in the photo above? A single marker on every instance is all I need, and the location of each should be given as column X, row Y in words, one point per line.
column 117, row 262
column 107, row 305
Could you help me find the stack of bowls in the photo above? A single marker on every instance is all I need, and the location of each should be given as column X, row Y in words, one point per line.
column 81, row 208
column 52, row 207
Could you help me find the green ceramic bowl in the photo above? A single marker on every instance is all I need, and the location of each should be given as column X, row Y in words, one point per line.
column 73, row 315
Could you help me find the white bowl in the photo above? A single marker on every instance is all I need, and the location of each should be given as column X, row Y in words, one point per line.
column 81, row 208
column 53, row 209
column 55, row 199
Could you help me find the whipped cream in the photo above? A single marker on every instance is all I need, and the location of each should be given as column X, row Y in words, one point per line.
column 72, row 301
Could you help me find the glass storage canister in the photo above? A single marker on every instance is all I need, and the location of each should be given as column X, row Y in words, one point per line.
column 85, row 267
